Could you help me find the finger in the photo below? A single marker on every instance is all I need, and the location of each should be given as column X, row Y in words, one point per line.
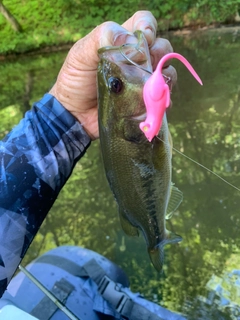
column 110, row 34
column 170, row 72
column 159, row 49
column 85, row 51
column 144, row 21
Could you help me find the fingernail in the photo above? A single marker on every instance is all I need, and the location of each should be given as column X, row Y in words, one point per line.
column 124, row 38
column 149, row 35
column 148, row 29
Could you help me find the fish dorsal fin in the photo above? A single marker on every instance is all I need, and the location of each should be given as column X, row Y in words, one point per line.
column 176, row 197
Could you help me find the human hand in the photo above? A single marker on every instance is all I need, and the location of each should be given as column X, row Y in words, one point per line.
column 76, row 87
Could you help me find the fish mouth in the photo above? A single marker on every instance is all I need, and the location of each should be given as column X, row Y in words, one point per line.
column 140, row 117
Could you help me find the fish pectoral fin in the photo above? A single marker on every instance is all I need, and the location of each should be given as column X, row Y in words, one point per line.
column 127, row 227
column 176, row 198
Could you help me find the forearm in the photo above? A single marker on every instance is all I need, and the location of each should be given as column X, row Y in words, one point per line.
column 37, row 157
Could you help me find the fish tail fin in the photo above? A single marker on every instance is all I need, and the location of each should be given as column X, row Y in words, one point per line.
column 157, row 257
column 157, row 253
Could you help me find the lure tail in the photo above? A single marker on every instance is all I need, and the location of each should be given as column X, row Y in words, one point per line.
column 178, row 56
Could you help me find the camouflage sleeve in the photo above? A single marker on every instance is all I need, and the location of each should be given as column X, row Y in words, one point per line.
column 36, row 159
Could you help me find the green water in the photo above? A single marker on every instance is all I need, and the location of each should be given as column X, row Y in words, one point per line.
column 205, row 125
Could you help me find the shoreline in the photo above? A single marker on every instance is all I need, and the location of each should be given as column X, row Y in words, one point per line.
column 185, row 31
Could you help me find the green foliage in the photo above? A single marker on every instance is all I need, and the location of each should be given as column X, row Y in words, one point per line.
column 35, row 76
column 9, row 117
column 54, row 22
column 207, row 12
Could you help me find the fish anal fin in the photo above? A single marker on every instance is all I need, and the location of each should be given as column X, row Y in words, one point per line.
column 176, row 198
column 172, row 237
column 127, row 227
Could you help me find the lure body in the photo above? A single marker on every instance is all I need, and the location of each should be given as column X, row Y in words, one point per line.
column 156, row 95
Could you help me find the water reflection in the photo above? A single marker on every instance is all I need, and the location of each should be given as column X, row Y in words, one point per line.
column 205, row 125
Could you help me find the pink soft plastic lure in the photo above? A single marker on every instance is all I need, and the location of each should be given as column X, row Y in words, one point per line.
column 156, row 95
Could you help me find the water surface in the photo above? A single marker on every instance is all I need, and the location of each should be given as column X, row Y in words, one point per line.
column 205, row 125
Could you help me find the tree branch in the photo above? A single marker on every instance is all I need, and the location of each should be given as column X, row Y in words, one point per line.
column 10, row 18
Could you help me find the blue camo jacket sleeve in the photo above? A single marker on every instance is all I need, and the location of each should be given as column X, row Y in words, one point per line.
column 36, row 159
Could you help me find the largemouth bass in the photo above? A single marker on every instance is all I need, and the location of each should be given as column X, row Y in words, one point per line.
column 138, row 171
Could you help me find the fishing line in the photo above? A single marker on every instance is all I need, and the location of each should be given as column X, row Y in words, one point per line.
column 201, row 165
column 49, row 294
column 130, row 60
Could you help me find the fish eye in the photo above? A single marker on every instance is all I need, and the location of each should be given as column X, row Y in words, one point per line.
column 115, row 84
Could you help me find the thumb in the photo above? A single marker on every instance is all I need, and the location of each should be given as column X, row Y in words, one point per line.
column 112, row 34
column 85, row 51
